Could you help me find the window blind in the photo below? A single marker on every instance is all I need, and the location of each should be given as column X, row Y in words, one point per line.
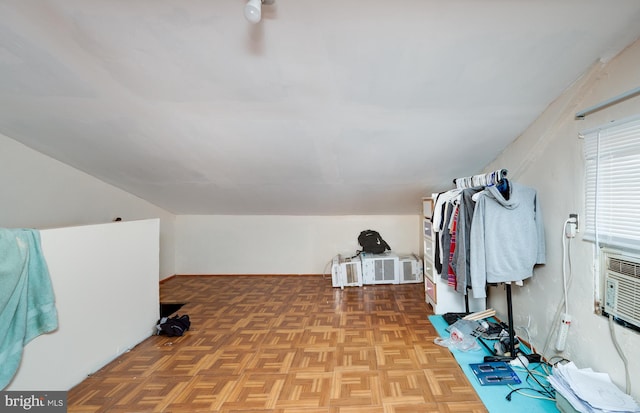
column 612, row 184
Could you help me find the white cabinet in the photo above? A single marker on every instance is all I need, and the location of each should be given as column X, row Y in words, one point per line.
column 442, row 297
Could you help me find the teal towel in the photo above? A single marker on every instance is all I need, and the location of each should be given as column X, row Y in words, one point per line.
column 27, row 302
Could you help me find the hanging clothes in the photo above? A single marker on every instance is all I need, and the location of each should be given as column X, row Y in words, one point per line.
column 451, row 274
column 506, row 238
column 461, row 261
column 491, row 178
column 445, row 241
column 440, row 223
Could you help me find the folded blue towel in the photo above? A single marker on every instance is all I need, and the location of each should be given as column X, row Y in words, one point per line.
column 27, row 302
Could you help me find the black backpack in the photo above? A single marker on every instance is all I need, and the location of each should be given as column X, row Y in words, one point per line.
column 372, row 242
column 173, row 326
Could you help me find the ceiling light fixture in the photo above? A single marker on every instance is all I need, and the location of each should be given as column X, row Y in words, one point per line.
column 253, row 9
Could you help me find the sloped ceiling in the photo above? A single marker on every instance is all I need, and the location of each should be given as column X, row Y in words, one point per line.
column 325, row 107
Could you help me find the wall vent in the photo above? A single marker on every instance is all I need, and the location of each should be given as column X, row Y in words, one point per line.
column 622, row 288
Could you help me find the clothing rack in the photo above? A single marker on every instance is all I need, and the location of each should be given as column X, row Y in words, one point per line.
column 491, row 178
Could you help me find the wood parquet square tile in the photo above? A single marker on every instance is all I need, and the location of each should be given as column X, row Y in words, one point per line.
column 271, row 360
column 356, row 387
column 314, row 359
column 256, row 391
column 391, row 356
column 228, row 360
column 306, row 390
column 359, row 337
column 154, row 394
column 286, row 338
column 205, row 393
column 356, row 357
column 285, row 344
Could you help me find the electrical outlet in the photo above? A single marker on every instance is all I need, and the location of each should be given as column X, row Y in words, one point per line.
column 563, row 332
column 571, row 226
column 576, row 220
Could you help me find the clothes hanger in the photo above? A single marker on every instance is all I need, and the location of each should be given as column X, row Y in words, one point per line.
column 504, row 188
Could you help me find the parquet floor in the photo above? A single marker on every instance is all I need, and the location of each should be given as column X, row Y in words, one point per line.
column 285, row 344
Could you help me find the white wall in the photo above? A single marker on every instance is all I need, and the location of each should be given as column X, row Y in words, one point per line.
column 105, row 281
column 548, row 157
column 40, row 192
column 281, row 244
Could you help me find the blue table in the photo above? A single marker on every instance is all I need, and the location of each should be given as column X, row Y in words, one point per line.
column 493, row 397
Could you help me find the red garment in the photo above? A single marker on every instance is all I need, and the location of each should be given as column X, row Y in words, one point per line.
column 451, row 275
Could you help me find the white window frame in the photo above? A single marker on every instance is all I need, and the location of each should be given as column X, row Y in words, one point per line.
column 612, row 184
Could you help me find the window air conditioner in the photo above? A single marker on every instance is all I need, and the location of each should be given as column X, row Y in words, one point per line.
column 410, row 269
column 622, row 287
column 346, row 272
column 380, row 268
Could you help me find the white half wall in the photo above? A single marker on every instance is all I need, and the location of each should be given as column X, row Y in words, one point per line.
column 41, row 192
column 105, row 280
column 549, row 157
column 224, row 244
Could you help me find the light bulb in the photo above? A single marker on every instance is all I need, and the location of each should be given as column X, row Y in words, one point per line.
column 252, row 11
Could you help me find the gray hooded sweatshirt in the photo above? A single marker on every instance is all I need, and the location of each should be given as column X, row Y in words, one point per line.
column 507, row 237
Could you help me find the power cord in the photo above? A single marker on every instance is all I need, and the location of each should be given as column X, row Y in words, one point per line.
column 521, row 389
column 529, row 339
column 560, row 360
column 546, row 391
column 545, row 387
column 324, row 271
column 597, row 266
column 566, row 251
column 621, row 354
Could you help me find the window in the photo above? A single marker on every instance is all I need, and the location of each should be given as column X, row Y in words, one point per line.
column 612, row 184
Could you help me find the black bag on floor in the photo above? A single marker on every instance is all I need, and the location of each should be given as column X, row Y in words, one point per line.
column 173, row 326
column 372, row 242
